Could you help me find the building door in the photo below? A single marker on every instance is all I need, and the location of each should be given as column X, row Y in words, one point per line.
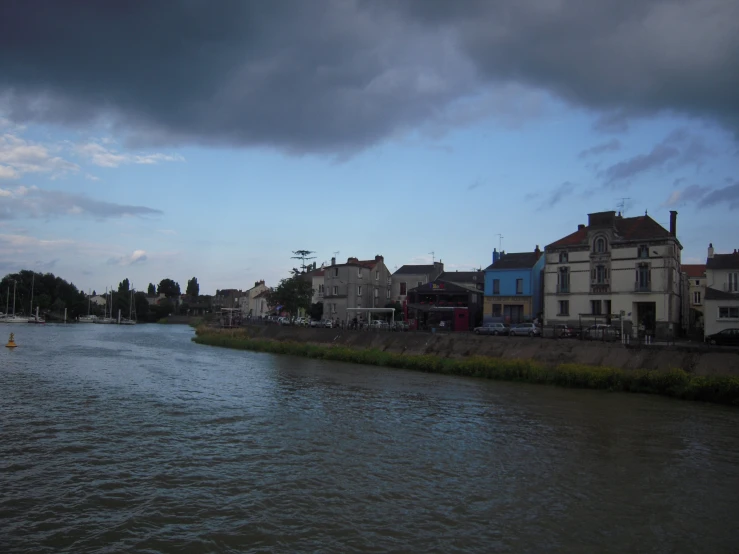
column 646, row 316
column 513, row 313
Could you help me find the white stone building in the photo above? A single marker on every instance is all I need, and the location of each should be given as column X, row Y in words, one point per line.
column 615, row 265
column 721, row 302
column 246, row 301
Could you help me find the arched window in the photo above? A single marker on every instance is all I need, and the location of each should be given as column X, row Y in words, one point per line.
column 600, row 245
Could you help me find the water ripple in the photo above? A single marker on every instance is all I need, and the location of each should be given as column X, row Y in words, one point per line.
column 134, row 439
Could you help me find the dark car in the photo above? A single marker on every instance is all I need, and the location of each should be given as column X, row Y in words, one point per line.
column 727, row 336
column 492, row 329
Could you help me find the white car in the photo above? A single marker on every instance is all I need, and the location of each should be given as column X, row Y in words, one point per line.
column 525, row 329
column 328, row 323
column 315, row 323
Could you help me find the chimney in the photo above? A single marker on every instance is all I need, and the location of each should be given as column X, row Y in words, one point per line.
column 333, row 261
column 537, row 251
column 496, row 255
column 710, row 251
column 673, row 223
column 379, row 259
column 580, row 227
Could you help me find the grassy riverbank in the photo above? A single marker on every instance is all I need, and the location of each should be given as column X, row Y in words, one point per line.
column 674, row 383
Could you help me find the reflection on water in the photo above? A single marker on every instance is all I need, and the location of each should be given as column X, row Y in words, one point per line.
column 134, row 438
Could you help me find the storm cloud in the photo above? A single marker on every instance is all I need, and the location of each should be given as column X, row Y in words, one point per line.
column 337, row 76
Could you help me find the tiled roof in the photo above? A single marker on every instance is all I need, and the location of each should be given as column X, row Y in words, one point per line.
column 415, row 270
column 462, row 276
column 515, row 260
column 694, row 271
column 723, row 261
column 642, row 227
column 715, row 294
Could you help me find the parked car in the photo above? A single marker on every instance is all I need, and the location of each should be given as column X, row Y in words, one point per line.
column 400, row 326
column 315, row 323
column 525, row 330
column 601, row 331
column 327, row 323
column 727, row 336
column 283, row 320
column 493, row 329
column 379, row 324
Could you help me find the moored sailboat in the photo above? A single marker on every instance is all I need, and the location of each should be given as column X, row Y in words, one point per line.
column 34, row 318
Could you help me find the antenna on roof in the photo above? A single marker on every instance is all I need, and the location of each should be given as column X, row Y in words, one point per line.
column 622, row 206
column 500, row 241
column 336, row 253
column 433, row 256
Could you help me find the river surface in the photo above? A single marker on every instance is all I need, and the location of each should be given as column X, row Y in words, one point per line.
column 121, row 439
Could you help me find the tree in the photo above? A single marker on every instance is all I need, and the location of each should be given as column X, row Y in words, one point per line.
column 316, row 310
column 303, row 255
column 152, row 290
column 398, row 310
column 141, row 304
column 193, row 288
column 168, row 288
column 124, row 286
column 291, row 295
column 47, row 290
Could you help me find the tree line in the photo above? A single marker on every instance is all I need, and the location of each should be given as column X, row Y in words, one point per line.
column 52, row 295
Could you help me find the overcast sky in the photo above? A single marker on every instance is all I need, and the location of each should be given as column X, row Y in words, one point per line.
column 154, row 139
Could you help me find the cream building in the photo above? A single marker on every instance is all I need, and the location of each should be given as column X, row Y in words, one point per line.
column 696, row 276
column 246, row 302
column 721, row 302
column 616, row 265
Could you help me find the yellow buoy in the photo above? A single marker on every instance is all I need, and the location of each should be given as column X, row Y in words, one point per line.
column 11, row 342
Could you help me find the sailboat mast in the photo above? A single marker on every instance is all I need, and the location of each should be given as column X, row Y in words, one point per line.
column 14, row 283
column 33, row 278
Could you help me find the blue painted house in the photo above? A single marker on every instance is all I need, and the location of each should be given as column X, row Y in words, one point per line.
column 514, row 287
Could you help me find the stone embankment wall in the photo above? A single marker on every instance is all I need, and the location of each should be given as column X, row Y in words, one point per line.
column 696, row 359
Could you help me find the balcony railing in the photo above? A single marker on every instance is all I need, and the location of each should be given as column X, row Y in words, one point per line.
column 642, row 287
column 600, row 288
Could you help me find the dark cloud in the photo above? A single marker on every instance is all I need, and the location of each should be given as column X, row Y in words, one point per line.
column 335, row 76
column 559, row 193
column 678, row 149
column 727, row 195
column 612, row 145
column 39, row 203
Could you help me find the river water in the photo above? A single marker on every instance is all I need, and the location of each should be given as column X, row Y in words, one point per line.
column 118, row 439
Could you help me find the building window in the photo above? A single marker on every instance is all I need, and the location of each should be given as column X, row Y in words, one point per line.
column 497, row 310
column 595, row 307
column 697, row 283
column 600, row 274
column 600, row 245
column 336, row 272
column 377, row 293
column 563, row 258
column 519, row 286
column 643, row 277
column 336, row 292
column 563, row 280
column 403, row 289
column 643, row 251
column 474, row 277
column 733, row 285
column 607, row 304
column 388, row 293
column 728, row 312
column 697, row 298
column 333, row 308
column 359, row 272
column 359, row 290
column 564, row 307
column 496, row 286
column 377, row 275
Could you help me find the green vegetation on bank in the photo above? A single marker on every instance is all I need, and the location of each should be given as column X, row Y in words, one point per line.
column 674, row 383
